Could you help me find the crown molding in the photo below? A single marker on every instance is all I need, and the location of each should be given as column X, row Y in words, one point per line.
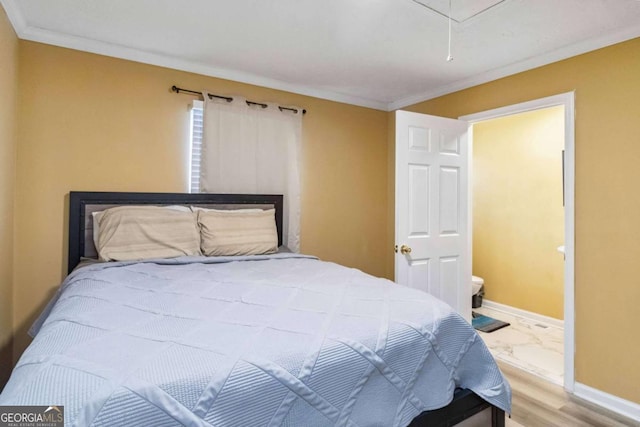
column 518, row 67
column 26, row 32
column 145, row 57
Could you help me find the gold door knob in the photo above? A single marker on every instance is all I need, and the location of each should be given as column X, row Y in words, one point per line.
column 404, row 249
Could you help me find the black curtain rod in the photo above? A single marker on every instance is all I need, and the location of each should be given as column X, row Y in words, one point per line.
column 177, row 89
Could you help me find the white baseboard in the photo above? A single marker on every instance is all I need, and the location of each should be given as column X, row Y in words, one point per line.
column 609, row 401
column 534, row 317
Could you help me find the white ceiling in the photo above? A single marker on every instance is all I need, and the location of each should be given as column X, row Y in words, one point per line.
column 382, row 54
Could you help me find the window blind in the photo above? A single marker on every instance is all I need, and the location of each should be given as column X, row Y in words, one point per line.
column 196, row 146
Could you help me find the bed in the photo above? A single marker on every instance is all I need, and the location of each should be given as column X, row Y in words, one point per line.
column 280, row 339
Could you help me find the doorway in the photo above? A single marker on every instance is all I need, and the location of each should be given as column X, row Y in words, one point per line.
column 567, row 101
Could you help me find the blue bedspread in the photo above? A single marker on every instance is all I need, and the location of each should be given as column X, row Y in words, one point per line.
column 259, row 341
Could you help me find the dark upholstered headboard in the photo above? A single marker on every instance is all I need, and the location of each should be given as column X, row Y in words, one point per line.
column 82, row 204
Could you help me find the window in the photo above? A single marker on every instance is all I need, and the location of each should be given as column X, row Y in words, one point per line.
column 238, row 148
column 196, row 146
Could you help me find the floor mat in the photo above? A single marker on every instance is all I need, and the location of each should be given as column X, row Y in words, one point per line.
column 485, row 323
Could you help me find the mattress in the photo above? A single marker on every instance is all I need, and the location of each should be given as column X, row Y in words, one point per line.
column 278, row 340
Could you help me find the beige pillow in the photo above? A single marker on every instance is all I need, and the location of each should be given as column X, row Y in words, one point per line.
column 96, row 215
column 238, row 232
column 141, row 232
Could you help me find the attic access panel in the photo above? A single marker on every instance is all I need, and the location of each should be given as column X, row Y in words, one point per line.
column 461, row 10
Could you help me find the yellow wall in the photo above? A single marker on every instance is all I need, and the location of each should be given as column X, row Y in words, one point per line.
column 89, row 122
column 518, row 218
column 607, row 242
column 8, row 111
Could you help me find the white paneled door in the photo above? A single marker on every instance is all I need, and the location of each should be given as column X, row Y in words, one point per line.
column 431, row 234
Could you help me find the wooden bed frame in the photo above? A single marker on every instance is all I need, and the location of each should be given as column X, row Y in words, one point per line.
column 465, row 403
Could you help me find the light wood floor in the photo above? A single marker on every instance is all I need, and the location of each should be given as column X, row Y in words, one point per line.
column 537, row 402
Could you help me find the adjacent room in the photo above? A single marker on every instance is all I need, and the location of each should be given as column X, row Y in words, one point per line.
column 293, row 213
column 518, row 236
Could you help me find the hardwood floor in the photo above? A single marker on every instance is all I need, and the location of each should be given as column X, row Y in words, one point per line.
column 539, row 403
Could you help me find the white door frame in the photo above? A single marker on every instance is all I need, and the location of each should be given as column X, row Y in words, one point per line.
column 567, row 100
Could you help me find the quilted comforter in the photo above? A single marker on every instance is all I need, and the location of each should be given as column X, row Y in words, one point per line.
column 258, row 341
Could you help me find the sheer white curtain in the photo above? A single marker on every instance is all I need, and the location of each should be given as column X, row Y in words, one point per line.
column 250, row 149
